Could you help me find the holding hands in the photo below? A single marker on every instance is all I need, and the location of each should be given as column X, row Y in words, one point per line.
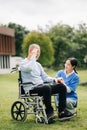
column 59, row 80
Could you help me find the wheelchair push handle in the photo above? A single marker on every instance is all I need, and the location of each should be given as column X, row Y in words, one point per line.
column 14, row 69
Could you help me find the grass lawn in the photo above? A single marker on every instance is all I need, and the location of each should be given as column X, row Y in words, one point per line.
column 9, row 94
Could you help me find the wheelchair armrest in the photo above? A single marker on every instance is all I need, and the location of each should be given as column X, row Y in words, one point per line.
column 25, row 83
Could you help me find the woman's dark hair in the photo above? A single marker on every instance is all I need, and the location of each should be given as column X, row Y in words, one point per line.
column 73, row 62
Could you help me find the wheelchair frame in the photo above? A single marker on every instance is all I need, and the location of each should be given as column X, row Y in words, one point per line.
column 28, row 104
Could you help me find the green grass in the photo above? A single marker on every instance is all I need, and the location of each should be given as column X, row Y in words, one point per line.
column 9, row 94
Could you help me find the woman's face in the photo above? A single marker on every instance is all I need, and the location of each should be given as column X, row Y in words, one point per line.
column 68, row 66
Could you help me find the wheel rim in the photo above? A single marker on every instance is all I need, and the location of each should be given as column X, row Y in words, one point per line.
column 18, row 111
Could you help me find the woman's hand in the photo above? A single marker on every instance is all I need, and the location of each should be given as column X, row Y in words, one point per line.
column 60, row 80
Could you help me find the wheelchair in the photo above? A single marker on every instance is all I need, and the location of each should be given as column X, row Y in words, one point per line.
column 28, row 104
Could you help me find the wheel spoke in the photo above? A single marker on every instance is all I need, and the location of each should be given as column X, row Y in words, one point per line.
column 16, row 107
column 15, row 111
column 21, row 116
column 16, row 117
column 20, row 106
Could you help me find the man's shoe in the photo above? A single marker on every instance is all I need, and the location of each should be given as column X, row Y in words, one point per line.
column 51, row 118
column 63, row 116
column 51, row 121
column 51, row 115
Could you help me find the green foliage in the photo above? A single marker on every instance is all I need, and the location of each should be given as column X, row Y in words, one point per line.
column 20, row 32
column 61, row 36
column 69, row 42
column 80, row 38
column 47, row 52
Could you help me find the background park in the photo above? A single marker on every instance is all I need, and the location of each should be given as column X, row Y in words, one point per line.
column 57, row 43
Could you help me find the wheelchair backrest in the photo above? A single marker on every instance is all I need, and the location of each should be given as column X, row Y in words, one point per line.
column 20, row 84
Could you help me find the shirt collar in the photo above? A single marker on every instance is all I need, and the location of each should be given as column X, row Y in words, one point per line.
column 69, row 73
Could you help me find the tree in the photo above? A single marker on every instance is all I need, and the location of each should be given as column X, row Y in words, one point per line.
column 47, row 51
column 20, row 32
column 80, row 38
column 69, row 42
column 61, row 36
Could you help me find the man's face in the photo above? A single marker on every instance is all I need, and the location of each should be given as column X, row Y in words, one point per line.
column 38, row 54
column 35, row 51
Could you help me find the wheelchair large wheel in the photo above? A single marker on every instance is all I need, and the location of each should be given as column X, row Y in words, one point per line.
column 18, row 111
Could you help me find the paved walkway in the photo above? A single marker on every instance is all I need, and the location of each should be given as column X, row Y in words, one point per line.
column 5, row 71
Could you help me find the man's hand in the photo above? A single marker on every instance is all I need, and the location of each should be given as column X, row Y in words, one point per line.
column 33, row 52
column 60, row 80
